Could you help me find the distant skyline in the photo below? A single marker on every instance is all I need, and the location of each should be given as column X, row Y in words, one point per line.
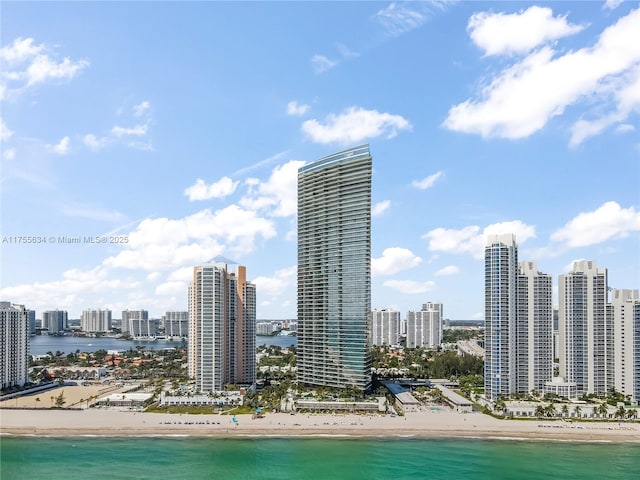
column 179, row 128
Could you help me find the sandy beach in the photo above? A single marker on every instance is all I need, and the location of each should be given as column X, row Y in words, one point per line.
column 423, row 424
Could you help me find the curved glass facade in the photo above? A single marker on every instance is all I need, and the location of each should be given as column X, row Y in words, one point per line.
column 334, row 270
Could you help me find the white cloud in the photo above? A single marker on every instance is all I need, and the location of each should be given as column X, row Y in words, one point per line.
column 500, row 33
column 141, row 108
column 295, row 108
column 427, row 182
column 62, row 147
column 278, row 284
column 346, row 52
column 172, row 288
column 399, row 18
column 133, row 137
column 9, row 153
column 20, row 50
column 27, row 64
column 448, row 270
column 94, row 143
column 625, row 127
column 522, row 98
column 608, row 221
column 611, row 4
column 261, row 163
column 355, row 124
column 70, row 289
column 5, row 132
column 320, row 63
column 43, row 68
column 470, row 240
column 92, row 212
column 153, row 276
column 159, row 244
column 626, row 94
column 279, row 194
column 410, row 286
column 380, row 207
column 220, row 189
column 138, row 130
column 394, row 260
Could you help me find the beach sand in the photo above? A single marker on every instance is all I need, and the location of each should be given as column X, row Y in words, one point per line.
column 421, row 424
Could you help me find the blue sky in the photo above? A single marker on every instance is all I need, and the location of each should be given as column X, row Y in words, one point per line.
column 181, row 126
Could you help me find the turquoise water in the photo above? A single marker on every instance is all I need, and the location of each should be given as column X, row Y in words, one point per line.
column 308, row 459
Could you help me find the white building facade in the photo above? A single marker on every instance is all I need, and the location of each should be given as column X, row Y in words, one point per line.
column 501, row 277
column 136, row 323
column 534, row 330
column 385, row 327
column 95, row 321
column 55, row 321
column 14, row 345
column 424, row 327
column 625, row 305
column 176, row 324
column 586, row 329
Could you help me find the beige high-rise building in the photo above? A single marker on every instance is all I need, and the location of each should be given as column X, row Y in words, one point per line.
column 222, row 327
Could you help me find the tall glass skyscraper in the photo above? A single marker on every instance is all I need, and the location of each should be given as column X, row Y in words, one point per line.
column 334, row 270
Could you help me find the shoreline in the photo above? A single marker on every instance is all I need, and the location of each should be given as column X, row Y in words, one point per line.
column 103, row 423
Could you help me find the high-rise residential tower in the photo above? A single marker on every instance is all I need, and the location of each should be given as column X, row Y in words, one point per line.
column 137, row 324
column 14, row 345
column 176, row 324
column 500, row 291
column 55, row 321
column 534, row 329
column 96, row 321
column 586, row 330
column 424, row 327
column 334, row 270
column 222, row 327
column 385, row 327
column 636, row 352
column 626, row 304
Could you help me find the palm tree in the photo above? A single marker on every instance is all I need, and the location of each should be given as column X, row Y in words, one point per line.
column 539, row 411
column 602, row 410
column 576, row 411
column 632, row 413
column 565, row 410
column 620, row 413
column 550, row 410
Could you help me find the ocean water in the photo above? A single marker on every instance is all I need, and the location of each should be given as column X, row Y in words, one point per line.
column 312, row 458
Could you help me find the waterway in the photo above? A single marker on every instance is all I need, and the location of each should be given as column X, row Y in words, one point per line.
column 41, row 344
